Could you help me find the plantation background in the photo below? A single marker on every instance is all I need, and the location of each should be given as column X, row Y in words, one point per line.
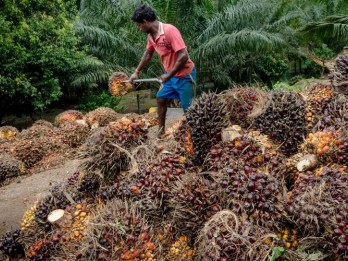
column 59, row 54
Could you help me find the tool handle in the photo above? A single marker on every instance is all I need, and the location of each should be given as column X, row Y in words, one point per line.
column 146, row 80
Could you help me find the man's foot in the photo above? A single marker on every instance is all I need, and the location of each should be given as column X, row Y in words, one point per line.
column 161, row 134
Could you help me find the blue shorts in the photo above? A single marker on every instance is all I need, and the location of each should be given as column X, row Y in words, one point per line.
column 181, row 88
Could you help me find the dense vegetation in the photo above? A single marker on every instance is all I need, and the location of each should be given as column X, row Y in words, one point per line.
column 51, row 49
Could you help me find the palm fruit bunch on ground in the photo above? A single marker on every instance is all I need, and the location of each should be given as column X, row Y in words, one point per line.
column 317, row 98
column 43, row 123
column 282, row 117
column 119, row 232
column 44, row 249
column 8, row 133
column 74, row 134
column 121, row 189
column 101, row 117
column 288, row 238
column 68, row 116
column 258, row 195
column 10, row 245
column 314, row 199
column 152, row 186
column 117, row 84
column 28, row 220
column 342, row 147
column 206, row 118
column 193, row 200
column 240, row 102
column 10, row 167
column 180, row 250
column 226, row 236
column 37, row 131
column 182, row 135
column 6, row 147
column 340, row 74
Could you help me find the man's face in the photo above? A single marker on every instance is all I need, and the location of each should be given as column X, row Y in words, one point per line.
column 144, row 27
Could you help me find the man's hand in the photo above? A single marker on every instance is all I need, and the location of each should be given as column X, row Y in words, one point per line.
column 164, row 77
column 134, row 76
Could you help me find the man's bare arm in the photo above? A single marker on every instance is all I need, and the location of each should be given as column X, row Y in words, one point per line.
column 144, row 60
column 180, row 63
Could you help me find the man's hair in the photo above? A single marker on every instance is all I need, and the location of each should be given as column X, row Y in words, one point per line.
column 142, row 13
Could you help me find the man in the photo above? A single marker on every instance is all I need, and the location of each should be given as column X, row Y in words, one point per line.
column 180, row 75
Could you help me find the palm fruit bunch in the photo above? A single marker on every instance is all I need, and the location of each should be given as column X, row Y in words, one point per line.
column 340, row 74
column 258, row 195
column 8, row 133
column 150, row 118
column 68, row 116
column 226, row 236
column 206, row 118
column 117, row 84
column 152, row 186
column 74, row 134
column 43, row 123
column 318, row 97
column 323, row 144
column 6, row 147
column 10, row 245
column 43, row 249
column 28, row 220
column 10, row 167
column 109, row 153
column 314, row 199
column 89, row 184
column 37, row 131
column 288, row 238
column 120, row 232
column 180, row 250
column 283, row 119
column 193, row 200
column 56, row 199
column 182, row 135
column 120, row 189
column 101, row 117
column 240, row 102
column 342, row 147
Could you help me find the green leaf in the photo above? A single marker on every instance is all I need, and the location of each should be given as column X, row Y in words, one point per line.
column 277, row 252
column 314, row 257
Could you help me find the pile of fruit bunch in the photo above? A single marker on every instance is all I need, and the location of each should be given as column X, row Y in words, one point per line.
column 119, row 232
column 183, row 136
column 335, row 114
column 318, row 97
column 101, row 117
column 282, row 117
column 340, row 74
column 342, row 147
column 194, row 199
column 180, row 250
column 68, row 116
column 38, row 131
column 315, row 197
column 48, row 248
column 8, row 133
column 152, row 186
column 121, row 189
column 227, row 236
column 10, row 167
column 43, row 123
column 109, row 150
column 240, row 102
column 74, row 134
column 206, row 117
column 258, row 195
column 10, row 244
column 117, row 84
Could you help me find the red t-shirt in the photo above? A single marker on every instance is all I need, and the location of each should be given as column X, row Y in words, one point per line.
column 167, row 43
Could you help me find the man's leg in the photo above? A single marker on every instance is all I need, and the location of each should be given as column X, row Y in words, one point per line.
column 161, row 111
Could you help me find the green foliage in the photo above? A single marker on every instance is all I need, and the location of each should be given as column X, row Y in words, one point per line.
column 102, row 99
column 271, row 68
column 39, row 52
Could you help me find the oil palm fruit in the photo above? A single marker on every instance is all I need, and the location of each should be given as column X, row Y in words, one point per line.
column 8, row 133
column 340, row 74
column 183, row 136
column 43, row 123
column 74, row 134
column 10, row 167
column 101, row 117
column 206, row 118
column 117, row 86
column 283, row 119
column 38, row 131
column 10, row 245
column 68, row 116
column 180, row 250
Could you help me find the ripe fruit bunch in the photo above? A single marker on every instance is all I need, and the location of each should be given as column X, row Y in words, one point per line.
column 28, row 220
column 6, row 147
column 8, row 133
column 206, row 118
column 342, row 147
column 80, row 216
column 10, row 167
column 227, row 237
column 242, row 154
column 43, row 249
column 258, row 195
column 117, row 86
column 68, row 116
column 56, row 199
column 10, row 245
column 340, row 74
column 120, row 189
column 240, row 102
column 288, row 238
column 89, row 185
column 183, row 136
column 43, row 123
column 180, row 250
column 314, row 199
column 38, row 131
column 283, row 120
column 318, row 97
column 74, row 133
column 152, row 187
column 122, row 233
column 194, row 199
column 150, row 118
column 101, row 117
column 322, row 143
